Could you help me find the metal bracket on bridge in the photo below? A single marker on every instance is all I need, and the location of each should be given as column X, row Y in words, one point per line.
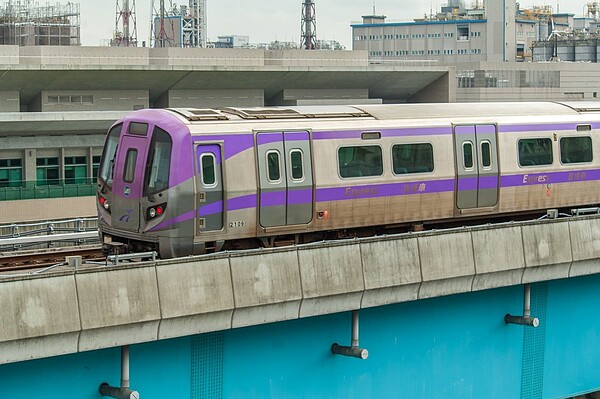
column 122, row 392
column 140, row 255
column 354, row 350
column 526, row 319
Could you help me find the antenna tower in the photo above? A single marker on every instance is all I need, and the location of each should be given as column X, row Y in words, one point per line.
column 309, row 26
column 127, row 37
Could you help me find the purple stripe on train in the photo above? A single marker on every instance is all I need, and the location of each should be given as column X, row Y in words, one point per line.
column 384, row 190
column 467, row 183
column 488, row 182
column 243, row 202
column 178, row 219
column 210, row 209
column 474, row 183
column 268, row 138
column 272, row 198
column 549, row 177
column 232, row 144
column 296, row 197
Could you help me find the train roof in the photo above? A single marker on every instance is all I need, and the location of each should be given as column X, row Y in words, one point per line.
column 391, row 111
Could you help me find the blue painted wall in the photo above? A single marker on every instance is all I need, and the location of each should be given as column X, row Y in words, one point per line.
column 451, row 347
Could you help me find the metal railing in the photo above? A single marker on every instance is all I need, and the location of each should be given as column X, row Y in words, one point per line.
column 68, row 231
column 56, row 188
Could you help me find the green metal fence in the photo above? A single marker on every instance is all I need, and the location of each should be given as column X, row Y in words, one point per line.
column 63, row 188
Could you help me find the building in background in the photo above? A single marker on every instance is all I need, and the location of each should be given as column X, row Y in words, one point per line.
column 496, row 31
column 26, row 23
column 232, row 41
column 178, row 26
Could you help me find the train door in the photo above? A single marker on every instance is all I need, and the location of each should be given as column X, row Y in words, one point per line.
column 128, row 177
column 209, row 193
column 285, row 178
column 476, row 165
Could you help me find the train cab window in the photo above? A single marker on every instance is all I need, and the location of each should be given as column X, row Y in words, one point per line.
column 360, row 161
column 467, row 155
column 412, row 158
column 534, row 152
column 159, row 162
column 575, row 150
column 207, row 163
column 108, row 155
column 273, row 166
column 296, row 164
column 130, row 159
column 486, row 154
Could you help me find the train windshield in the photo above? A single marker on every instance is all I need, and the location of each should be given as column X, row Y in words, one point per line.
column 108, row 155
column 159, row 161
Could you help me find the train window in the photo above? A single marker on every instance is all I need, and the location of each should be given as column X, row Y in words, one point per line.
column 412, row 158
column 467, row 155
column 296, row 164
column 130, row 159
column 140, row 129
column 159, row 162
column 534, row 152
column 273, row 166
column 575, row 149
column 360, row 161
column 486, row 154
column 207, row 163
column 108, row 155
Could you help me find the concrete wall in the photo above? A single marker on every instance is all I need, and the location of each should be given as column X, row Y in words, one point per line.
column 297, row 96
column 111, row 306
column 9, row 101
column 577, row 81
column 211, row 98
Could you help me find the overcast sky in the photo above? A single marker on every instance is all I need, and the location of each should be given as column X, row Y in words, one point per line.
column 268, row 20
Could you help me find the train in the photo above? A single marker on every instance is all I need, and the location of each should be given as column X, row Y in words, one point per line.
column 190, row 181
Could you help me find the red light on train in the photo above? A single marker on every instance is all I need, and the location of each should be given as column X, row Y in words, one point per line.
column 159, row 210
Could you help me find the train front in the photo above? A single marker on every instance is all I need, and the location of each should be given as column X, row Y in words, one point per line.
column 145, row 185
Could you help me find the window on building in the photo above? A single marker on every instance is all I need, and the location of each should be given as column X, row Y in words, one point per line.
column 76, row 170
column 412, row 158
column 11, row 172
column 462, row 32
column 576, row 149
column 360, row 161
column 72, row 99
column 47, row 171
column 534, row 152
column 95, row 165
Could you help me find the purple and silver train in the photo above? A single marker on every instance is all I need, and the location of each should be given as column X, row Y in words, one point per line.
column 189, row 181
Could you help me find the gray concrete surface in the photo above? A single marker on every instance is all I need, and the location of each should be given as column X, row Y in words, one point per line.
column 104, row 307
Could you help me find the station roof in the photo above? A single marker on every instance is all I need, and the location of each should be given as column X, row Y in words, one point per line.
column 31, row 70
